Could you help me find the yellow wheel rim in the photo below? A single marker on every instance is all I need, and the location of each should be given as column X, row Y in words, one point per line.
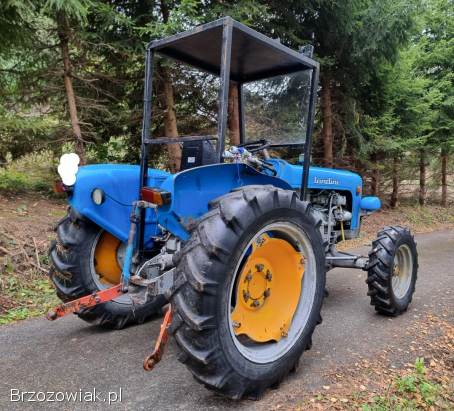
column 106, row 264
column 268, row 290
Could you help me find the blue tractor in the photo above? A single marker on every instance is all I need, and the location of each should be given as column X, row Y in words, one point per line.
column 238, row 243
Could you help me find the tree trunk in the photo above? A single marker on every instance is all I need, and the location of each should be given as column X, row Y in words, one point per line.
column 63, row 34
column 422, row 178
column 234, row 117
column 395, row 193
column 327, row 115
column 170, row 121
column 170, row 118
column 444, row 177
column 376, row 177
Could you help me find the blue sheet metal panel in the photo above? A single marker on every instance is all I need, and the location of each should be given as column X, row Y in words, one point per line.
column 193, row 189
column 324, row 179
column 120, row 184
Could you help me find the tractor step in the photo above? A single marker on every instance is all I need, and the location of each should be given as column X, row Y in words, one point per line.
column 87, row 301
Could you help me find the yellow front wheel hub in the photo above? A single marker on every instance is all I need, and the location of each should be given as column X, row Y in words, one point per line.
column 106, row 264
column 268, row 290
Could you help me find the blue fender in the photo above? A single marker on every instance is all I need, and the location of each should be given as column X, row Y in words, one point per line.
column 192, row 190
column 120, row 184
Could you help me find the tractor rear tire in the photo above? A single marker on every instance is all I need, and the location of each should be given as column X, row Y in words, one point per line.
column 392, row 270
column 73, row 275
column 209, row 264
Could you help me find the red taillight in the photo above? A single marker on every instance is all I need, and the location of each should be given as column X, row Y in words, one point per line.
column 155, row 196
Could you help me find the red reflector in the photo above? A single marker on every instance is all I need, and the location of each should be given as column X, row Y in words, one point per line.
column 59, row 187
column 155, row 196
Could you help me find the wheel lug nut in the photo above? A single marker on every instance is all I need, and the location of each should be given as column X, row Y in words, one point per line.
column 268, row 276
column 267, row 293
column 255, row 303
column 249, row 276
column 259, row 267
column 245, row 295
column 236, row 324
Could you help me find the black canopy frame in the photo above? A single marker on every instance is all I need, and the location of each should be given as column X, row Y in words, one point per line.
column 232, row 51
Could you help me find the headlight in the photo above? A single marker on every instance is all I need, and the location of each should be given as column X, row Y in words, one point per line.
column 97, row 195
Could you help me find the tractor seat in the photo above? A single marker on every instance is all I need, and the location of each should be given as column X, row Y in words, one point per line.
column 197, row 153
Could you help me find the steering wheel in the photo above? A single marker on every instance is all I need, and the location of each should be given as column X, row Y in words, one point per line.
column 257, row 145
column 254, row 146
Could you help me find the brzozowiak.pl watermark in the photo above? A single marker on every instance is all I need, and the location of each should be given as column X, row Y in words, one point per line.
column 79, row 396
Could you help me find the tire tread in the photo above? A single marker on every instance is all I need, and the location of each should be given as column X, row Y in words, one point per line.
column 194, row 325
column 380, row 267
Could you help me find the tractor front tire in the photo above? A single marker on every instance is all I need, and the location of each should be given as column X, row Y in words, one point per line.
column 229, row 235
column 73, row 273
column 392, row 270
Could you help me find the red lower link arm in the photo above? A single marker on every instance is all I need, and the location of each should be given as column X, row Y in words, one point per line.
column 161, row 342
column 85, row 302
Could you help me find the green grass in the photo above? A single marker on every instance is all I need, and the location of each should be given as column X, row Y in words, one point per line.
column 420, row 215
column 428, row 216
column 411, row 392
column 18, row 182
column 32, row 172
column 31, row 298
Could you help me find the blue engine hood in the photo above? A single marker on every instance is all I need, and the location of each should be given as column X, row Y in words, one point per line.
column 319, row 177
column 324, row 179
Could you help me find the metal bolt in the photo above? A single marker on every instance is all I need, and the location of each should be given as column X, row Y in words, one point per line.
column 236, row 324
column 396, row 269
column 267, row 293
column 268, row 276
column 302, row 261
column 255, row 303
column 246, row 295
column 248, row 276
column 284, row 334
column 259, row 267
column 260, row 240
